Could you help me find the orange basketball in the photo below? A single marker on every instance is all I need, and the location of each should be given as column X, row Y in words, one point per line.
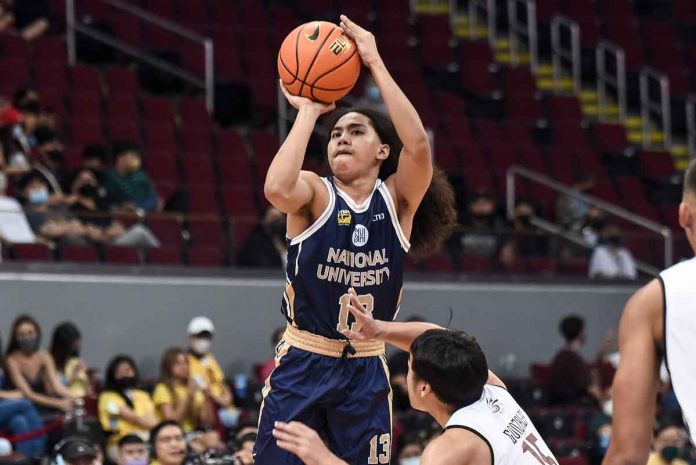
column 318, row 61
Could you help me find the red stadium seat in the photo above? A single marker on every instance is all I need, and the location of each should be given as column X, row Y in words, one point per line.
column 167, row 231
column 158, row 110
column 160, row 137
column 208, row 257
column 14, row 47
column 202, row 200
column 50, row 49
column 121, row 81
column 230, row 144
column 238, row 201
column 610, row 137
column 32, row 252
column 85, row 79
column 195, row 139
column 161, row 166
column 122, row 108
column 235, row 171
column 79, row 253
column 86, row 106
column 198, row 170
column 164, row 256
column 51, row 76
column 206, row 232
column 122, row 255
column 656, row 165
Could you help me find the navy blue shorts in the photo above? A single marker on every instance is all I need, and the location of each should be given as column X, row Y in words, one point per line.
column 346, row 400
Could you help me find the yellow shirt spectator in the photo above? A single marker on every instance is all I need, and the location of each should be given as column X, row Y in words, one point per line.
column 206, row 372
column 163, row 395
column 79, row 387
column 110, row 403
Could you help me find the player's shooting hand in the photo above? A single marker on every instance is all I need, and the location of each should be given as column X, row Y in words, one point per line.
column 303, row 102
column 364, row 39
column 303, row 441
column 365, row 327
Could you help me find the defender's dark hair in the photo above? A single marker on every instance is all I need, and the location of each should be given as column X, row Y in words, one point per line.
column 571, row 327
column 452, row 363
column 436, row 216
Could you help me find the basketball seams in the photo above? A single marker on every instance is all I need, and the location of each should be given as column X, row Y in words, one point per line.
column 316, row 54
column 313, row 86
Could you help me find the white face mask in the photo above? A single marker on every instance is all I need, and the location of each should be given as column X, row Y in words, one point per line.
column 201, row 345
column 410, row 461
column 608, row 407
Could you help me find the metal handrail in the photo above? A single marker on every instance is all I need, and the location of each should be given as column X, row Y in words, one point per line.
column 604, row 79
column 622, row 213
column 517, row 30
column 476, row 6
column 556, row 230
column 691, row 125
column 662, row 107
column 208, row 81
column 571, row 54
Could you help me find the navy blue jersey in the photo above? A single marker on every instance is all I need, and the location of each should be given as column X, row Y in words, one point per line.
column 349, row 245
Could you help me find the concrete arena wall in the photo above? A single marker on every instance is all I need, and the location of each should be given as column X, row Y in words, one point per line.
column 142, row 316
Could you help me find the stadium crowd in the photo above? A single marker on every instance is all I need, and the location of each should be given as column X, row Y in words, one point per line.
column 52, row 403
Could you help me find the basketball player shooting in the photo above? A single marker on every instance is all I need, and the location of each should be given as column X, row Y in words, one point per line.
column 448, row 377
column 658, row 323
column 350, row 229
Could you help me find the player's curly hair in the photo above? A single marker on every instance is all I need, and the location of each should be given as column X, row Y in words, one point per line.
column 436, row 216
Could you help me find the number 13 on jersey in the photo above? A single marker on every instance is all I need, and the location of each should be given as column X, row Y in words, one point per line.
column 366, row 300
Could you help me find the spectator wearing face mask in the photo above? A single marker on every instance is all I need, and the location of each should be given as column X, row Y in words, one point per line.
column 266, row 247
column 49, row 222
column 371, row 98
column 410, row 451
column 51, row 163
column 66, row 344
column 571, row 212
column 131, row 451
column 19, row 416
column 31, row 370
column 206, row 372
column 525, row 240
column 127, row 182
column 91, row 205
column 483, row 228
column 14, row 227
column 670, row 445
column 611, row 259
column 123, row 408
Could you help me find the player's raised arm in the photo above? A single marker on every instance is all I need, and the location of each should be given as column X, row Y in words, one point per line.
column 287, row 187
column 635, row 385
column 415, row 168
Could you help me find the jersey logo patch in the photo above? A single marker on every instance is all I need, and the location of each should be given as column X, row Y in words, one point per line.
column 494, row 406
column 360, row 235
column 344, row 218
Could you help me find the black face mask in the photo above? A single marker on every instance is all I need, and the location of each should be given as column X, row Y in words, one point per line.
column 524, row 220
column 75, row 353
column 88, row 190
column 482, row 216
column 56, row 156
column 596, row 224
column 128, row 382
column 28, row 344
column 614, row 241
column 670, row 453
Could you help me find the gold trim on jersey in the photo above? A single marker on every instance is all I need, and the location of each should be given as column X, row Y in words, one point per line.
column 267, row 385
column 383, row 359
column 289, row 296
column 330, row 347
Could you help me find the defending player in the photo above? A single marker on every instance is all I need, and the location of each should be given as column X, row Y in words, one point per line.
column 351, row 229
column 448, row 377
column 658, row 322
